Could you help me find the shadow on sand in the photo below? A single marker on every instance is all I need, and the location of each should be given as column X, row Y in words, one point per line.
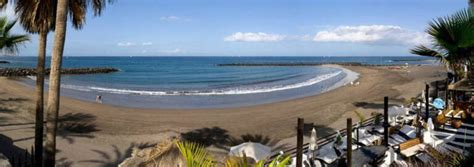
column 321, row 130
column 9, row 100
column 114, row 159
column 2, row 101
column 220, row 138
column 76, row 125
column 207, row 136
column 367, row 105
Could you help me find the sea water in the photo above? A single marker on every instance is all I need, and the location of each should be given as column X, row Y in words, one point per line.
column 199, row 82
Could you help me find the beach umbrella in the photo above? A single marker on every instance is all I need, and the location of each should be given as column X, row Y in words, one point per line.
column 313, row 144
column 313, row 141
column 253, row 150
column 430, row 124
column 438, row 103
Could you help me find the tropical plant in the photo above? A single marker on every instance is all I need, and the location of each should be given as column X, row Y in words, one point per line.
column 9, row 42
column 280, row 161
column 452, row 40
column 360, row 116
column 195, row 154
column 457, row 159
column 377, row 119
column 38, row 17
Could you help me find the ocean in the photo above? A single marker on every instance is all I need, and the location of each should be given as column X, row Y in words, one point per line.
column 199, row 82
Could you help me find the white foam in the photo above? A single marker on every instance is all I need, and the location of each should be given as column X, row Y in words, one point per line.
column 232, row 91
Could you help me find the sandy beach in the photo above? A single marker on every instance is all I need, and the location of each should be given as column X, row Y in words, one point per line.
column 108, row 133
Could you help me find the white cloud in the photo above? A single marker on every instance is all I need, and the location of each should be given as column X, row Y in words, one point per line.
column 126, row 44
column 170, row 18
column 147, row 43
column 254, row 37
column 372, row 34
column 174, row 51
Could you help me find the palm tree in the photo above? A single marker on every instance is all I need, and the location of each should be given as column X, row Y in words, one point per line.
column 77, row 10
column 471, row 3
column 9, row 42
column 452, row 40
column 38, row 17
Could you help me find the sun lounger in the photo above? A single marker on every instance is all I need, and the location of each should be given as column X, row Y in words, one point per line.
column 365, row 137
column 429, row 138
column 343, row 146
column 390, row 157
column 458, row 115
column 448, row 114
column 411, row 147
column 327, row 153
column 468, row 125
column 409, row 131
column 461, row 130
column 378, row 129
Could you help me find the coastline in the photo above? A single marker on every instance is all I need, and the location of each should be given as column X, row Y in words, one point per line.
column 214, row 100
column 120, row 127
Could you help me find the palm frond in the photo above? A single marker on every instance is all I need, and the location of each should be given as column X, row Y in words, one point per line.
column 9, row 43
column 425, row 51
column 195, row 154
column 280, row 161
column 36, row 16
column 360, row 116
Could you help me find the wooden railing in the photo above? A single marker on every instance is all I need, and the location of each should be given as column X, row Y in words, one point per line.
column 322, row 141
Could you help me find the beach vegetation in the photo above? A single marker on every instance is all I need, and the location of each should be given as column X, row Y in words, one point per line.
column 377, row 118
column 10, row 42
column 360, row 116
column 452, row 41
column 195, row 154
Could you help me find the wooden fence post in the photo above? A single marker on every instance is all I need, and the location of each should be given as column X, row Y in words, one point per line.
column 299, row 143
column 385, row 120
column 427, row 103
column 349, row 142
column 446, row 94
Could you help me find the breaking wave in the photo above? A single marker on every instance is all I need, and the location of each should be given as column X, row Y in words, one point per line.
column 226, row 91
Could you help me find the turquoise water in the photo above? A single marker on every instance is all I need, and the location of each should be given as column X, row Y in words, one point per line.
column 197, row 82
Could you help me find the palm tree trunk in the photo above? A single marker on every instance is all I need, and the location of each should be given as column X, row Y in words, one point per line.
column 40, row 99
column 471, row 4
column 55, row 82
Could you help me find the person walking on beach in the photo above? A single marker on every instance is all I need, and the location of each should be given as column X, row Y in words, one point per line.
column 98, row 99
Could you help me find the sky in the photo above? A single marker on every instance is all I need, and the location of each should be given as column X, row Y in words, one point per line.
column 252, row 28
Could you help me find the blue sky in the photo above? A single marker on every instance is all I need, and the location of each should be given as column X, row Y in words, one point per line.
column 254, row 28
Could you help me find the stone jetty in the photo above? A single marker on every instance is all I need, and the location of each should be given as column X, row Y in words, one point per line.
column 21, row 72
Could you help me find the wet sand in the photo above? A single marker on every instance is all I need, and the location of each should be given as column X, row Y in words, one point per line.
column 114, row 130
